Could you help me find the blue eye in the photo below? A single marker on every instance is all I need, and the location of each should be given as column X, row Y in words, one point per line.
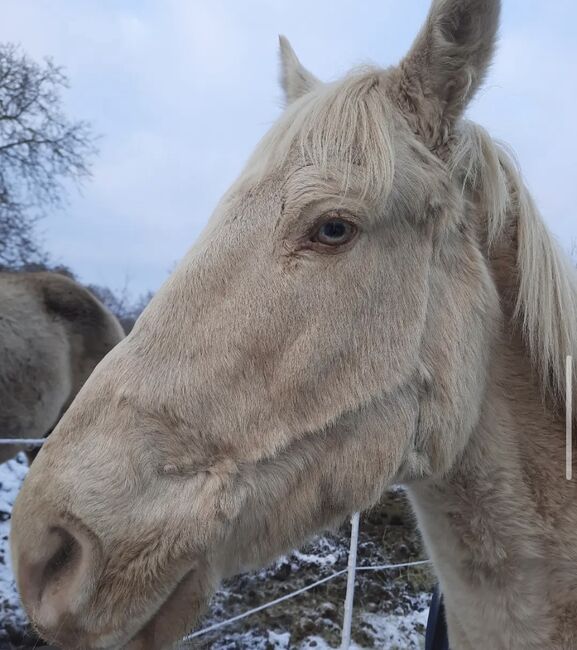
column 334, row 232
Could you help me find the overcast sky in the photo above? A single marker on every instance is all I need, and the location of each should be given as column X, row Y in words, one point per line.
column 181, row 91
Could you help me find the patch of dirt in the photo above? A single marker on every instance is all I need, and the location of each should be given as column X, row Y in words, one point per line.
column 385, row 601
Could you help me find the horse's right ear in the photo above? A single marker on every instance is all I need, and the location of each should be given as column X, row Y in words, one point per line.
column 446, row 65
column 295, row 79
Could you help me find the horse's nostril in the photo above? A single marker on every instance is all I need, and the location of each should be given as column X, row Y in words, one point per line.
column 66, row 555
column 55, row 568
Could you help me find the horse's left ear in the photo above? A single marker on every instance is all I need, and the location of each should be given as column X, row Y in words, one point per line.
column 295, row 79
column 446, row 65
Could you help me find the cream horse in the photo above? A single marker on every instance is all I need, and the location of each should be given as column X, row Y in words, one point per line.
column 53, row 332
column 375, row 300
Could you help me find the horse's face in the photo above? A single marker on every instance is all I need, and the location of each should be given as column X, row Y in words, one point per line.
column 326, row 336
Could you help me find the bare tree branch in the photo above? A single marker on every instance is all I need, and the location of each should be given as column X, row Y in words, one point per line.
column 40, row 148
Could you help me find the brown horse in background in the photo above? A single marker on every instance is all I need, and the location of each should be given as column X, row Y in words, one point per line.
column 53, row 332
column 375, row 300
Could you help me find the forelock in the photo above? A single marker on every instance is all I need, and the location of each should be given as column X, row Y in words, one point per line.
column 345, row 125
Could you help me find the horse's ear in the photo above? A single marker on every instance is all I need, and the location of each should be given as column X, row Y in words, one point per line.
column 447, row 64
column 295, row 79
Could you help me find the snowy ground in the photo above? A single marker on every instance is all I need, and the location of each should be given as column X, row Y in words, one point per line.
column 12, row 619
column 390, row 606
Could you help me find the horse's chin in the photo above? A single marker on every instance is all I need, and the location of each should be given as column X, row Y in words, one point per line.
column 175, row 617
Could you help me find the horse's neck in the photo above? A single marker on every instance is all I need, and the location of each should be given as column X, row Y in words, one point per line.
column 501, row 528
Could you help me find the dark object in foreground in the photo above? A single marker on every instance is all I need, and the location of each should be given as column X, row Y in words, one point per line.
column 436, row 637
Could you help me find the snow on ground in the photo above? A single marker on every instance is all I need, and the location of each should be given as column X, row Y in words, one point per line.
column 390, row 632
column 390, row 607
column 12, row 618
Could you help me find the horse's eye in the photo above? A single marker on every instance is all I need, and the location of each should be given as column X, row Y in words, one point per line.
column 335, row 231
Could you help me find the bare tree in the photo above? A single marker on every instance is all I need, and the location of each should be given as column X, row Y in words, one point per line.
column 40, row 148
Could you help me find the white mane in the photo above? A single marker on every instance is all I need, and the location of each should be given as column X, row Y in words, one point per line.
column 346, row 121
column 547, row 295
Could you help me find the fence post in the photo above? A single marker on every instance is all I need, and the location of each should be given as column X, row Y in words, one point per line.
column 569, row 418
column 351, row 572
